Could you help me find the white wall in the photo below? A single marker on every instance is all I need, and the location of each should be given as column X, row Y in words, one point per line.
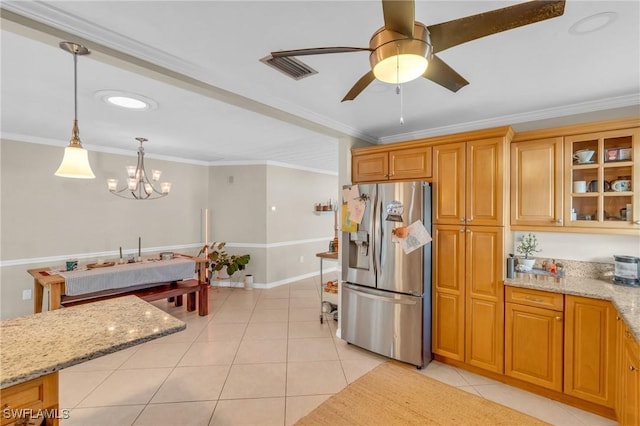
column 583, row 247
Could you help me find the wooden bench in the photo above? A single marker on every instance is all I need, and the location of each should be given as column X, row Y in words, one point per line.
column 148, row 292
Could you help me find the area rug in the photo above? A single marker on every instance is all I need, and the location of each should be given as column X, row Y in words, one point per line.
column 396, row 394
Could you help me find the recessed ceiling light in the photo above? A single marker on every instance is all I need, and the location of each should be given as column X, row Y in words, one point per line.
column 131, row 101
column 593, row 23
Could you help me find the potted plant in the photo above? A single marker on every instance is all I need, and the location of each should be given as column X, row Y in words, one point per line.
column 528, row 246
column 220, row 260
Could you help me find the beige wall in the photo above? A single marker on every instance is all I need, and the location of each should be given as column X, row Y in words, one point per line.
column 282, row 242
column 46, row 219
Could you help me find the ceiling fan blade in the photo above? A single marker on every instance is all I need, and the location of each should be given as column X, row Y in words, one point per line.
column 439, row 72
column 360, row 85
column 399, row 16
column 317, row 51
column 458, row 31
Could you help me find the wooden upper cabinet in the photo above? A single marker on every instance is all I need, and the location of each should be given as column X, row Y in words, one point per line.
column 485, row 179
column 590, row 349
column 410, row 163
column 536, row 182
column 448, row 195
column 469, row 183
column 396, row 164
column 611, row 176
column 371, row 167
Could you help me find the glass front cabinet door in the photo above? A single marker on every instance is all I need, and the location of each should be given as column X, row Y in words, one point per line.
column 602, row 180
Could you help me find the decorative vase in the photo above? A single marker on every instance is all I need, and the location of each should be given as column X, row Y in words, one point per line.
column 248, row 282
column 526, row 264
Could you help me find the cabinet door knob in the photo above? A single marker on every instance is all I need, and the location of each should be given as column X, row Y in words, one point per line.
column 558, row 318
column 461, row 230
column 469, row 231
column 559, row 221
column 637, row 222
column 632, row 368
column 462, row 219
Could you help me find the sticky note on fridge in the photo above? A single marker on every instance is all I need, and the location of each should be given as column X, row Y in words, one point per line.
column 348, row 225
column 350, row 193
column 356, row 210
column 418, row 236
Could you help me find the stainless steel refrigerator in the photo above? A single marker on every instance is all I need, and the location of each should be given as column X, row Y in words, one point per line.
column 386, row 294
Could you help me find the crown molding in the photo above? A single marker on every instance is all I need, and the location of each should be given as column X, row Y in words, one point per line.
column 97, row 148
column 271, row 163
column 511, row 119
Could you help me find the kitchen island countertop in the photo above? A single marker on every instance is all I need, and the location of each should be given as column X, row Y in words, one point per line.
column 625, row 299
column 39, row 344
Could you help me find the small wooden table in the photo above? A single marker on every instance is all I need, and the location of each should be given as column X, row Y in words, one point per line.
column 55, row 283
column 323, row 256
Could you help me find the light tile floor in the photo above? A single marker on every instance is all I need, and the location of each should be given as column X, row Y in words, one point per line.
column 261, row 357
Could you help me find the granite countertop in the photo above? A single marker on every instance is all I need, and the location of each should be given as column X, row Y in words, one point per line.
column 39, row 344
column 625, row 299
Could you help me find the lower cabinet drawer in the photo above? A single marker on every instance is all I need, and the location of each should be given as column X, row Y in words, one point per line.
column 536, row 298
column 29, row 398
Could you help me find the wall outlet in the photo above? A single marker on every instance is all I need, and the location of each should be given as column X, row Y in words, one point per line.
column 26, row 294
column 301, row 259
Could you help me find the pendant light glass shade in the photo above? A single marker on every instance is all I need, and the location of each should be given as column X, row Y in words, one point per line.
column 75, row 163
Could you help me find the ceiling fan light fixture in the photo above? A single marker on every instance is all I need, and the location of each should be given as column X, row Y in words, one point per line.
column 400, row 68
column 398, row 59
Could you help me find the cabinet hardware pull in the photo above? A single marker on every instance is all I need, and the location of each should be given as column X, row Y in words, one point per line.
column 617, row 317
column 469, row 231
column 559, row 221
column 637, row 222
column 461, row 230
column 558, row 318
column 632, row 368
column 390, row 174
column 462, row 219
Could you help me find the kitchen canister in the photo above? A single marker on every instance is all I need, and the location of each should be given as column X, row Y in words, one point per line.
column 511, row 266
column 627, row 270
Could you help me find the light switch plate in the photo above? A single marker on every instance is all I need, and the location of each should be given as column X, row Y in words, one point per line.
column 26, row 294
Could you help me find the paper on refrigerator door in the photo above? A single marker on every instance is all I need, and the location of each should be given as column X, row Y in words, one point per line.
column 355, row 203
column 418, row 236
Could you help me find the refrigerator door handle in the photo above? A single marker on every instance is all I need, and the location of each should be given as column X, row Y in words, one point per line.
column 377, row 226
column 361, row 293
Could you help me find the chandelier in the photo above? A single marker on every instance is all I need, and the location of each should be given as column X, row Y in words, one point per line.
column 138, row 186
column 75, row 162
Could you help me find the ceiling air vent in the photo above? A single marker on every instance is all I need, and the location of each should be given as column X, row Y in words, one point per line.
column 290, row 66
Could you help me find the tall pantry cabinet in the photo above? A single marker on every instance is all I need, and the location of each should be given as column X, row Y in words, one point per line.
column 469, row 186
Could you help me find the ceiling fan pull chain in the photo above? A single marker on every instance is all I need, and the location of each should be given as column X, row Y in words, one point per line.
column 398, row 90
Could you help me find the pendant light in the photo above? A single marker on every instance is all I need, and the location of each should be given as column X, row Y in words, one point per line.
column 75, row 163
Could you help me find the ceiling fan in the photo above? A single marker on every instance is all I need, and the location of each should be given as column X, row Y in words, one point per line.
column 405, row 49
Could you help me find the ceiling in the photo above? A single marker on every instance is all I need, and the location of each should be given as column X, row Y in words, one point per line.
column 199, row 60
